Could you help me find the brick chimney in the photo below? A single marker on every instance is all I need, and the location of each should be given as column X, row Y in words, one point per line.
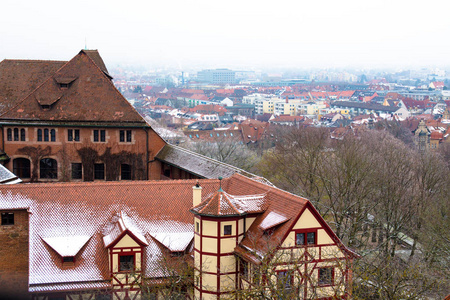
column 196, row 194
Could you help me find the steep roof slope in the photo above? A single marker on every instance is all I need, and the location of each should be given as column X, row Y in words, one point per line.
column 80, row 91
column 18, row 78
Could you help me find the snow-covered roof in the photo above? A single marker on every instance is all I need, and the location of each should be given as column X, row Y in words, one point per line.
column 67, row 245
column 272, row 219
column 174, row 241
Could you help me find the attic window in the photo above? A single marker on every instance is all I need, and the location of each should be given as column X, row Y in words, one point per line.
column 68, row 259
column 46, row 106
column 64, row 85
column 126, row 263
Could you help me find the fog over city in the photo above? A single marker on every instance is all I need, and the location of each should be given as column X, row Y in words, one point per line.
column 236, row 34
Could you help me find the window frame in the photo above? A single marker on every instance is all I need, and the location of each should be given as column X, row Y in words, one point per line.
column 305, row 233
column 227, row 230
column 329, row 278
column 49, row 170
column 97, row 171
column 21, row 165
column 99, row 136
column 124, row 171
column 80, row 171
column 7, row 218
column 130, row 268
column 288, row 279
column 9, row 135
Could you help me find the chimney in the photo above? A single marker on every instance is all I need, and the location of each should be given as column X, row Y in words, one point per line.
column 196, row 194
column 287, row 99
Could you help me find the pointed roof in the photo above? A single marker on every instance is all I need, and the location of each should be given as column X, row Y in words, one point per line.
column 118, row 226
column 222, row 204
column 80, row 91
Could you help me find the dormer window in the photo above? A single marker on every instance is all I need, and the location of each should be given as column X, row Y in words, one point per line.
column 68, row 259
column 126, row 263
column 64, row 85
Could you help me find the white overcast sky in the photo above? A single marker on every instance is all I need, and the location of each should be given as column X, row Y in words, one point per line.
column 312, row 33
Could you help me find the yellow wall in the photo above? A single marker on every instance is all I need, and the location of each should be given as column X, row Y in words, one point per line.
column 323, row 237
column 307, row 220
column 209, row 263
column 126, row 241
column 228, row 264
column 209, row 228
column 209, row 245
column 227, row 245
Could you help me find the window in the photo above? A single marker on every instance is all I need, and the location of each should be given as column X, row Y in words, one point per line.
column 7, row 218
column 284, row 280
column 128, row 136
column 326, row 276
column 53, row 135
column 45, row 135
column 125, row 172
column 9, row 134
column 68, row 259
column 77, row 171
column 197, row 227
column 305, row 238
column 16, row 134
column 73, row 135
column 244, row 270
column 48, row 168
column 125, row 136
column 99, row 135
column 227, row 229
column 99, row 171
column 22, row 134
column 102, row 136
column 21, row 167
column 39, row 135
column 126, row 263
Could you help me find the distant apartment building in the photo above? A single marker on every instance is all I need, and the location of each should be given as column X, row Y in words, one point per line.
column 311, row 108
column 288, row 107
column 217, row 76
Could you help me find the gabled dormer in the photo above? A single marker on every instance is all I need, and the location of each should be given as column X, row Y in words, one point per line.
column 125, row 242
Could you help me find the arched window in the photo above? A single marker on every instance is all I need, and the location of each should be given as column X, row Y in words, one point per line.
column 9, row 134
column 39, row 135
column 16, row 134
column 52, row 135
column 22, row 134
column 46, row 135
column 48, row 168
column 21, row 167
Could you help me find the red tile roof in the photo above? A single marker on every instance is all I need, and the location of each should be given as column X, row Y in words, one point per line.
column 81, row 101
column 18, row 78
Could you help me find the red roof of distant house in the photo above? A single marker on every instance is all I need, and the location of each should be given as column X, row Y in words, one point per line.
column 252, row 130
column 287, row 118
column 436, row 135
column 209, row 108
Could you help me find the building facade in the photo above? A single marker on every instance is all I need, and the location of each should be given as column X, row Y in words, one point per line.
column 202, row 239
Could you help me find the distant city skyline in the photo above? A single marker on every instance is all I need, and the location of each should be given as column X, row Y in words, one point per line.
column 232, row 34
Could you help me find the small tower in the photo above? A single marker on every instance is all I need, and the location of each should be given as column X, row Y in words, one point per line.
column 219, row 227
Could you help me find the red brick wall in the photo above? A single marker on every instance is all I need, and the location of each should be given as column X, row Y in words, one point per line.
column 14, row 257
